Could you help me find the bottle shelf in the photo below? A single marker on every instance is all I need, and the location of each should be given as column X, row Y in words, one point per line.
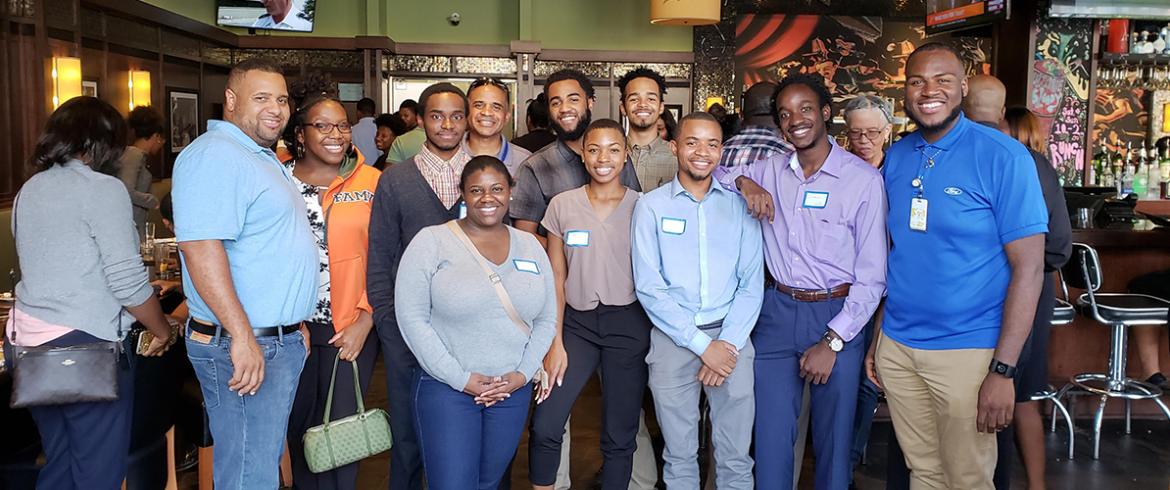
column 1135, row 59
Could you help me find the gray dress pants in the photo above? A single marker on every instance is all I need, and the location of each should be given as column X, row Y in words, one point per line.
column 674, row 382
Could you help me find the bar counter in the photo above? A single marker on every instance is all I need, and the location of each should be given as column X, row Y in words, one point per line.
column 1127, row 250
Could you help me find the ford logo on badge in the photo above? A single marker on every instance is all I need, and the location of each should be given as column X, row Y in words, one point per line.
column 953, row 191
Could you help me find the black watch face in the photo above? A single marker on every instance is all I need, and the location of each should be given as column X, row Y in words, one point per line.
column 1001, row 368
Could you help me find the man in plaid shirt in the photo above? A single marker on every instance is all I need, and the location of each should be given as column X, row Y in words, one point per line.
column 758, row 139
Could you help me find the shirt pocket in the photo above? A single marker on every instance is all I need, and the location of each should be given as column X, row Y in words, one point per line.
column 832, row 241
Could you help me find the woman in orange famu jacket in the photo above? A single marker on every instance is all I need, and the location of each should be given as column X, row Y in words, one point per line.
column 338, row 189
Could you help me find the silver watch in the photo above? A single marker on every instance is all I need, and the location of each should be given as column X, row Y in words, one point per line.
column 834, row 342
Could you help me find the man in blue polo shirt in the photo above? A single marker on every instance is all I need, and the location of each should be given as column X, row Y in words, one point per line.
column 967, row 223
column 250, row 265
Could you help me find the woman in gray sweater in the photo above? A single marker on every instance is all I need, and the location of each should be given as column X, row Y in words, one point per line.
column 472, row 398
column 83, row 282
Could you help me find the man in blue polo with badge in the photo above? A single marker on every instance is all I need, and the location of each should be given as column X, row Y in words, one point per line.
column 698, row 272
column 967, row 222
column 825, row 245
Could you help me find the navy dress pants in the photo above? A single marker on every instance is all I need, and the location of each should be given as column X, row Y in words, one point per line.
column 786, row 329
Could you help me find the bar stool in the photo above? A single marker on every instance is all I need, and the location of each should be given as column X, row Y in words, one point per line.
column 1063, row 313
column 1120, row 311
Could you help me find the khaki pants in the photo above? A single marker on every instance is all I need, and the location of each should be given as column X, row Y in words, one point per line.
column 933, row 398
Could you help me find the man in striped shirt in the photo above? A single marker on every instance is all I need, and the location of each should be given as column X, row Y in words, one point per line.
column 758, row 139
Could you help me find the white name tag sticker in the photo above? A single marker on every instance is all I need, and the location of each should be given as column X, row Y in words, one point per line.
column 462, row 210
column 674, row 226
column 814, row 199
column 526, row 266
column 577, row 238
column 918, row 214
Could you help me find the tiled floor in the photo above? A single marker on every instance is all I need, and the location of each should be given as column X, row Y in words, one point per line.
column 1138, row 461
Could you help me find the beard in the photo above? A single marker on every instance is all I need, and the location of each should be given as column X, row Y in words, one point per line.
column 694, row 176
column 576, row 133
column 638, row 125
column 933, row 127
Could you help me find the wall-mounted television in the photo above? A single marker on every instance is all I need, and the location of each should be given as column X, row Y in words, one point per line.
column 277, row 15
column 1111, row 9
column 954, row 15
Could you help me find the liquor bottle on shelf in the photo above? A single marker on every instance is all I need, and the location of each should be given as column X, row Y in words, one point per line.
column 1141, row 180
column 1154, row 180
column 1135, row 43
column 1160, row 42
column 1098, row 170
column 1127, row 173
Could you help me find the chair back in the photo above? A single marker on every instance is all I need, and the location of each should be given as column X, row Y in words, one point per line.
column 1083, row 270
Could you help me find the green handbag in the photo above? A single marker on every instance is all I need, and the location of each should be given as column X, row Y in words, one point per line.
column 341, row 442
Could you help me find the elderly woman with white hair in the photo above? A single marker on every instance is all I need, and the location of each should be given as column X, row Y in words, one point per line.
column 868, row 122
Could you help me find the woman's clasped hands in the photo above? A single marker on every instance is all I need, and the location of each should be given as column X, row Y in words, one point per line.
column 490, row 390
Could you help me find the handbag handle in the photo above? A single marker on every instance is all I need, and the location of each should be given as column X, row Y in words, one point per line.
column 357, row 391
column 497, row 283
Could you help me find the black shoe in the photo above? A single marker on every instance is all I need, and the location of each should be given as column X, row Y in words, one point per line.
column 1159, row 380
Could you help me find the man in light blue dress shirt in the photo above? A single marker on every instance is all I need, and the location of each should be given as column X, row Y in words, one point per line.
column 698, row 272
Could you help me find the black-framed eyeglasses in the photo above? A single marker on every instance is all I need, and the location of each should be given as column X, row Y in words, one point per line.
column 493, row 81
column 326, row 128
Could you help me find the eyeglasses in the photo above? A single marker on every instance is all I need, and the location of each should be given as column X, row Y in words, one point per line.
column 495, row 82
column 873, row 135
column 326, row 128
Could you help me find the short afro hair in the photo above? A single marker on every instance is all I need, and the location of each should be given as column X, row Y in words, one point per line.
column 145, row 122
column 697, row 116
column 816, row 83
column 642, row 72
column 937, row 46
column 570, row 74
column 435, row 89
column 601, row 124
column 393, row 122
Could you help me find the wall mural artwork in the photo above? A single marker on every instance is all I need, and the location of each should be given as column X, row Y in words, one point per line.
column 1120, row 116
column 856, row 55
column 1059, row 91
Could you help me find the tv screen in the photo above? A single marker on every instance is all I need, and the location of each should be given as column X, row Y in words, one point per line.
column 953, row 15
column 1107, row 9
column 277, row 15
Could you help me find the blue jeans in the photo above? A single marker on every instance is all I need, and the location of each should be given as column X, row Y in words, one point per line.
column 249, row 430
column 464, row 445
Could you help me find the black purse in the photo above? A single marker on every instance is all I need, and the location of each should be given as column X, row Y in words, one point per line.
column 46, row 375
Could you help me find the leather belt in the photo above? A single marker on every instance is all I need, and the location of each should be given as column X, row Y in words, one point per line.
column 810, row 295
column 209, row 329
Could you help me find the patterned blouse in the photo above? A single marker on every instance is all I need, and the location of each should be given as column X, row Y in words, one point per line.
column 312, row 194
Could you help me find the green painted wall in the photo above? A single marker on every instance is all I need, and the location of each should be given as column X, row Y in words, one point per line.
column 335, row 18
column 557, row 24
column 604, row 24
column 482, row 21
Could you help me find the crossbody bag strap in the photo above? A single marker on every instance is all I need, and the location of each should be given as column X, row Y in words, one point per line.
column 497, row 283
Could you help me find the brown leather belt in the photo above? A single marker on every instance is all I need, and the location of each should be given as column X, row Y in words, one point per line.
column 810, row 295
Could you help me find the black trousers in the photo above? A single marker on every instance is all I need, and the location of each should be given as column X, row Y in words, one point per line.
column 86, row 444
column 406, row 468
column 308, row 408
column 616, row 338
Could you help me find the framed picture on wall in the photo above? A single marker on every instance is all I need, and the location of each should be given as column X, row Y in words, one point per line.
column 183, row 114
column 675, row 110
column 89, row 88
column 1160, row 115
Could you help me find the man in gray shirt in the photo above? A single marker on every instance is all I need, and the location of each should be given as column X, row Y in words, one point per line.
column 558, row 167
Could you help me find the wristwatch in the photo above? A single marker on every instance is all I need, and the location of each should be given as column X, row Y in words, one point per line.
column 834, row 342
column 1001, row 368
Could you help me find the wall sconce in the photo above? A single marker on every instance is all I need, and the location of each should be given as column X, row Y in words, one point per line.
column 139, row 88
column 65, row 74
column 684, row 12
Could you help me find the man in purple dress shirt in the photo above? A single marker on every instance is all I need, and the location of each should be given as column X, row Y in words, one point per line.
column 824, row 216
